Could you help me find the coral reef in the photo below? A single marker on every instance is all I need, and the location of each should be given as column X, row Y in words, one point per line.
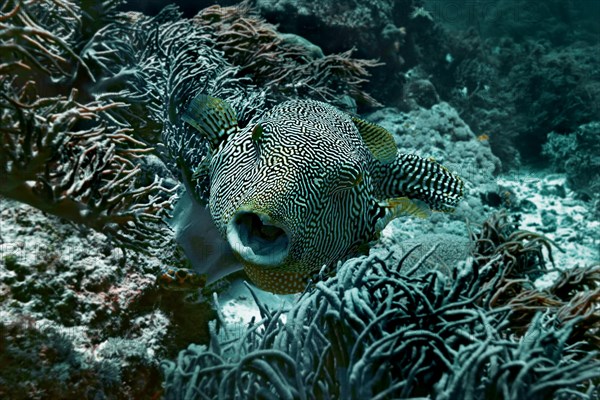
column 443, row 250
column 507, row 90
column 58, row 154
column 285, row 66
column 43, row 363
column 376, row 330
column 578, row 155
column 78, row 316
column 514, row 83
column 89, row 132
column 483, row 59
column 157, row 64
column 399, row 33
column 90, row 98
column 77, row 160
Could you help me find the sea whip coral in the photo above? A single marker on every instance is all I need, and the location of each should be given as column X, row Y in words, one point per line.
column 378, row 330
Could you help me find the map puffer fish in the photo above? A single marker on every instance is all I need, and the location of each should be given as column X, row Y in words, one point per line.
column 308, row 185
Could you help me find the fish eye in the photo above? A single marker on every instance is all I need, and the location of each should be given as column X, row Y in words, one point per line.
column 256, row 139
column 257, row 133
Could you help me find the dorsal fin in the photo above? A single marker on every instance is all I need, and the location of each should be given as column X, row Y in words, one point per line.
column 379, row 141
column 213, row 117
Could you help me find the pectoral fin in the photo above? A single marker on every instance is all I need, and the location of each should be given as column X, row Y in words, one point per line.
column 400, row 206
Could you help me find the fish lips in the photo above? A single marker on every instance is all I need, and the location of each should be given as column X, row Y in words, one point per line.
column 257, row 239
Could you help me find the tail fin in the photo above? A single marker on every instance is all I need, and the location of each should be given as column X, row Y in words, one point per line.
column 423, row 179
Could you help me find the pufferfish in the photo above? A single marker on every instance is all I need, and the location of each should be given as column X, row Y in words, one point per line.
column 307, row 185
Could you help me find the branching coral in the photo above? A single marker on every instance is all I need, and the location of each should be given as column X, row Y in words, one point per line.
column 91, row 180
column 57, row 154
column 575, row 296
column 539, row 365
column 378, row 331
column 518, row 257
column 30, row 39
column 156, row 65
column 508, row 257
column 285, row 68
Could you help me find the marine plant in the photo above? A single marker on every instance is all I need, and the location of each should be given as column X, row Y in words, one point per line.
column 58, row 151
column 376, row 330
column 515, row 258
column 285, row 65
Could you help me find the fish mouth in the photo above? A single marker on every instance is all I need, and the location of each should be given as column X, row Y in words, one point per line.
column 257, row 239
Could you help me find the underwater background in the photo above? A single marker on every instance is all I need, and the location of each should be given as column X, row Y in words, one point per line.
column 499, row 299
